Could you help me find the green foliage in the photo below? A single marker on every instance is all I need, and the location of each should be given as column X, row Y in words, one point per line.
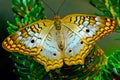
column 106, row 6
column 109, row 8
column 27, row 68
column 111, row 69
column 25, row 12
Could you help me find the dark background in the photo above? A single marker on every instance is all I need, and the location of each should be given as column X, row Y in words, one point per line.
column 6, row 65
column 108, row 44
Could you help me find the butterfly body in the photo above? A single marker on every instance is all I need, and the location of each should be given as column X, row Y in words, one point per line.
column 55, row 42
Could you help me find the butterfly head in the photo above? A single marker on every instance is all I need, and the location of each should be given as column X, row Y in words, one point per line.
column 56, row 17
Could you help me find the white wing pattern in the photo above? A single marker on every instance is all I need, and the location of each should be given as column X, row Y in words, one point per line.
column 69, row 44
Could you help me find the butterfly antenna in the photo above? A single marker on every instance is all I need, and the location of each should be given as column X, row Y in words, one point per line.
column 48, row 6
column 60, row 6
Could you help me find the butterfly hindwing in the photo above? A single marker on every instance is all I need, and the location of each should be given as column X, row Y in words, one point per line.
column 75, row 48
column 28, row 39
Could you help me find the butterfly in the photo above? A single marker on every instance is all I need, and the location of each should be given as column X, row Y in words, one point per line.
column 54, row 43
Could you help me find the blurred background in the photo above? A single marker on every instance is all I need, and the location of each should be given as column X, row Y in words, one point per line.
column 108, row 44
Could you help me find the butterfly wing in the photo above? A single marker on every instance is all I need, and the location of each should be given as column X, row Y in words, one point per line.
column 84, row 30
column 39, row 41
column 28, row 39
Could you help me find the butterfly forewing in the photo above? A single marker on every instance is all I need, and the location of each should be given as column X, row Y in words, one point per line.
column 90, row 27
column 28, row 40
